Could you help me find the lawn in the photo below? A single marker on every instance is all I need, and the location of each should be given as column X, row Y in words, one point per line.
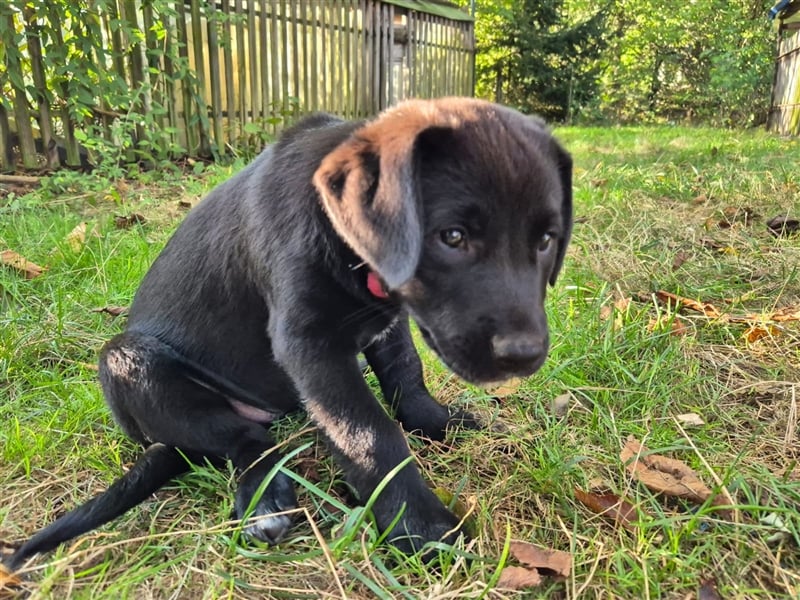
column 665, row 209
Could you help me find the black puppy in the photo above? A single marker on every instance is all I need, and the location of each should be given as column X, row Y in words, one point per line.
column 454, row 211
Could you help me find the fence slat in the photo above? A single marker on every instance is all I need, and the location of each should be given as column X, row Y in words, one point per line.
column 278, row 56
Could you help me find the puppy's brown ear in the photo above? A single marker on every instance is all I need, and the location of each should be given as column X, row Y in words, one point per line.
column 564, row 163
column 369, row 191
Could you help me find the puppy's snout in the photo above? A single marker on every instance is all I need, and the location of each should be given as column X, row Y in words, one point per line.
column 519, row 348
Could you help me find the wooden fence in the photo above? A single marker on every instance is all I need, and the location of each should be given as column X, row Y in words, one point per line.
column 163, row 78
column 784, row 114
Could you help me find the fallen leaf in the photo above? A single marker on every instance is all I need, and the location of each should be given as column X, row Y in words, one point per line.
column 127, row 221
column 519, row 578
column 7, row 580
column 680, row 258
column 536, row 557
column 757, row 332
column 677, row 302
column 701, row 199
column 114, row 311
column 504, row 388
column 610, row 507
column 77, row 237
column 185, row 204
column 667, row 476
column 661, row 323
column 787, row 313
column 691, row 419
column 782, row 225
column 708, row 590
column 733, row 214
column 20, row 264
column 559, row 406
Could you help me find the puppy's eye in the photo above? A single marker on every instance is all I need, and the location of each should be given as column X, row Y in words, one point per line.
column 455, row 237
column 545, row 242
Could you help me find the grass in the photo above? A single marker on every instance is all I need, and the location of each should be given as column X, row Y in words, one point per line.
column 646, row 200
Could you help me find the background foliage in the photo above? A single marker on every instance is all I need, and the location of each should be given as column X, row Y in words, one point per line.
column 708, row 61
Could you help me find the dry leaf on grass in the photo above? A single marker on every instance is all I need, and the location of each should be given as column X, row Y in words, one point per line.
column 535, row 559
column 504, row 388
column 675, row 325
column 680, row 258
column 8, row 581
column 676, row 301
column 127, row 221
column 77, row 237
column 609, row 506
column 691, row 419
column 783, row 225
column 28, row 269
column 708, row 590
column 757, row 332
column 519, row 578
column 667, row 476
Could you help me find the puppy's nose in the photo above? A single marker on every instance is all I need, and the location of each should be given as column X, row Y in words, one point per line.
column 518, row 347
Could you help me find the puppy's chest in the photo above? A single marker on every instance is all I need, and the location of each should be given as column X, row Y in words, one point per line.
column 374, row 330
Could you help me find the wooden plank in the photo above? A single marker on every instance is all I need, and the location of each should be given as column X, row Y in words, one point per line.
column 67, row 122
column 366, row 56
column 266, row 63
column 182, row 42
column 377, row 66
column 275, row 62
column 141, row 101
column 32, row 36
column 240, row 53
column 215, row 80
column 6, row 158
column 315, row 65
column 227, row 59
column 199, row 94
column 389, row 22
column 22, row 117
column 296, row 50
column 307, row 66
column 253, row 58
column 284, row 20
column 337, row 41
column 153, row 74
column 170, row 52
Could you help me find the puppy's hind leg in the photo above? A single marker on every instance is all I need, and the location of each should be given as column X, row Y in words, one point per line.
column 396, row 363
column 180, row 410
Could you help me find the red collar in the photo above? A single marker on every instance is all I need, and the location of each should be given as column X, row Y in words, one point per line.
column 375, row 286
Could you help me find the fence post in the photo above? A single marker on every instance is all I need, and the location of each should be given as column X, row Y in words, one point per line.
column 32, row 35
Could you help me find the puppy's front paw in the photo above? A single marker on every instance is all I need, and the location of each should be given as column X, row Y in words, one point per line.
column 425, row 416
column 424, row 520
column 278, row 496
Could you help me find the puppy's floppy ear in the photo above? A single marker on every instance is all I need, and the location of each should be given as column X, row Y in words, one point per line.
column 564, row 165
column 369, row 191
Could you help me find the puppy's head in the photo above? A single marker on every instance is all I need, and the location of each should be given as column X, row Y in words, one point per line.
column 464, row 210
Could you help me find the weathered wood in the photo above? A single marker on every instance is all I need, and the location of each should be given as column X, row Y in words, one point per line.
column 230, row 97
column 198, row 93
column 256, row 103
column 32, row 35
column 21, row 115
column 19, row 179
column 275, row 60
column 341, row 56
column 215, row 80
column 6, row 160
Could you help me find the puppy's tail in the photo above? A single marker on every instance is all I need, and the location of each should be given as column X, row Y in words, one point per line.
column 157, row 466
